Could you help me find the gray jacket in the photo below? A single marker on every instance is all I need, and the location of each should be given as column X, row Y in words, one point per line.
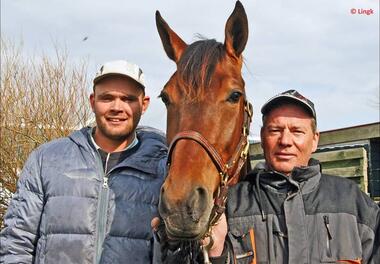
column 65, row 211
column 304, row 218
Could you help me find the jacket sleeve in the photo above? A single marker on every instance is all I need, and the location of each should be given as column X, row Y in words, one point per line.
column 375, row 256
column 19, row 236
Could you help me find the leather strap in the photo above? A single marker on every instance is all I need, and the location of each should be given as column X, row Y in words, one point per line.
column 228, row 171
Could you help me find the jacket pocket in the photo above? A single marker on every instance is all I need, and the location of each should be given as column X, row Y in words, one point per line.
column 338, row 239
column 243, row 229
column 244, row 246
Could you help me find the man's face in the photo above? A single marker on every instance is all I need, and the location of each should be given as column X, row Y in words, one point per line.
column 118, row 104
column 287, row 138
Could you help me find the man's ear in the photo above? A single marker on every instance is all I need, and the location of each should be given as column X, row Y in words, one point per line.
column 315, row 141
column 262, row 137
column 145, row 103
column 92, row 101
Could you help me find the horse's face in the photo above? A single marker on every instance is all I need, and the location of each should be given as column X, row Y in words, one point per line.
column 206, row 94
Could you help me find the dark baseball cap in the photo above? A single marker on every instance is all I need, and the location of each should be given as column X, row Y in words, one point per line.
column 290, row 96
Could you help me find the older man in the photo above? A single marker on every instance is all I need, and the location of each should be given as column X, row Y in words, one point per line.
column 288, row 211
column 89, row 197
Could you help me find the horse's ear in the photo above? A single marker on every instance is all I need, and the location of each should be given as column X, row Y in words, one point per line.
column 173, row 44
column 236, row 31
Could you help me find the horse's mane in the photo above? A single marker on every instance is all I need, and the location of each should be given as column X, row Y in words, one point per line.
column 197, row 65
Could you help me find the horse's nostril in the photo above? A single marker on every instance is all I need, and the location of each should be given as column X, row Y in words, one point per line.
column 197, row 203
column 202, row 192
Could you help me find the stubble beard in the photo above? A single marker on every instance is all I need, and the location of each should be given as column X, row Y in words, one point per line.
column 119, row 135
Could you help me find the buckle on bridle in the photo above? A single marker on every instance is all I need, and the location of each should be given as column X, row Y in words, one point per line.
column 248, row 108
column 244, row 153
column 223, row 178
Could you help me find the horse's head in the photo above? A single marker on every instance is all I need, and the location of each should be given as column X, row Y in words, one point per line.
column 206, row 123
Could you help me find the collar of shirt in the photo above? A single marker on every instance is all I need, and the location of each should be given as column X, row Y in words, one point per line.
column 134, row 142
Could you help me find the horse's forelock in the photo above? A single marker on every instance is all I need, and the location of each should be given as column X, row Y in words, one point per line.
column 197, row 66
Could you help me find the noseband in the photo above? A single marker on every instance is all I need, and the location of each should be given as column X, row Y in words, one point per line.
column 228, row 175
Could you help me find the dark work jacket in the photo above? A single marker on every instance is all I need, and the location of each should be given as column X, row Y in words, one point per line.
column 304, row 218
column 67, row 210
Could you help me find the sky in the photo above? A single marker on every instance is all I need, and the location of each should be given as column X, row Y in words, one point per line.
column 328, row 50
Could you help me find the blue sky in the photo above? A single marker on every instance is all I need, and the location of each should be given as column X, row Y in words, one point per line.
column 317, row 47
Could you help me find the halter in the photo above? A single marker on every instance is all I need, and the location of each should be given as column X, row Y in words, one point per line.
column 225, row 169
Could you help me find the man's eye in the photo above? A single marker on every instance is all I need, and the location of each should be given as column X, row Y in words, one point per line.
column 165, row 98
column 234, row 97
column 129, row 99
column 106, row 98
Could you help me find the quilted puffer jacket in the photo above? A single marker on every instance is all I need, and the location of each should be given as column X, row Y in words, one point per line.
column 67, row 210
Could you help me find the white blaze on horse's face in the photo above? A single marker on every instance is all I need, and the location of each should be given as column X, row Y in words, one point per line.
column 206, row 95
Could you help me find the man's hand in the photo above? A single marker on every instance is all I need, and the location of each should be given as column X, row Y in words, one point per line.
column 218, row 234
column 155, row 223
column 166, row 243
column 171, row 251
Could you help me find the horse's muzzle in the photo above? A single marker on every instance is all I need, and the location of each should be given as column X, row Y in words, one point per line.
column 187, row 217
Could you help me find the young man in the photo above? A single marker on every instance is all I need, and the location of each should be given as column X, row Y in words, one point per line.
column 288, row 211
column 89, row 198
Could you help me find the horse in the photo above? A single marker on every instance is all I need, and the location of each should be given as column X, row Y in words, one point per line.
column 208, row 119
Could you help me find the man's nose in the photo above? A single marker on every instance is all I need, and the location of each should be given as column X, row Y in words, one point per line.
column 116, row 105
column 286, row 138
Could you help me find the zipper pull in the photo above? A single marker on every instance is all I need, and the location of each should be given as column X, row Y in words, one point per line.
column 327, row 224
column 329, row 236
column 280, row 234
column 105, row 182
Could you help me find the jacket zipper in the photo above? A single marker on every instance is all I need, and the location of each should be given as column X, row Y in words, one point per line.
column 329, row 236
column 102, row 213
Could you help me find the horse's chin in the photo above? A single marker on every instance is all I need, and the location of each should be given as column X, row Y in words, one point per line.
column 178, row 234
column 193, row 231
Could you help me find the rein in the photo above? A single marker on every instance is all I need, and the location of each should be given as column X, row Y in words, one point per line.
column 228, row 177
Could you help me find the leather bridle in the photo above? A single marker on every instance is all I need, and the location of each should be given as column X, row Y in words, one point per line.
column 228, row 171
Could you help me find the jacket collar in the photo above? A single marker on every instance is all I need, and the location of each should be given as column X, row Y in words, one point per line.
column 301, row 178
column 131, row 145
column 148, row 152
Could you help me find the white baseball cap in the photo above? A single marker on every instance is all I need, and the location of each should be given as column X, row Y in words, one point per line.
column 120, row 67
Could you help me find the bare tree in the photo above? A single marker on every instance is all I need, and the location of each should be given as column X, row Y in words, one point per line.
column 374, row 100
column 42, row 98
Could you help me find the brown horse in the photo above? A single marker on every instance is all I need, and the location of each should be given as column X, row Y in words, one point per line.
column 208, row 120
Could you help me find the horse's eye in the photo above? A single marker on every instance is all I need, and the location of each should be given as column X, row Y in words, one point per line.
column 165, row 98
column 234, row 97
